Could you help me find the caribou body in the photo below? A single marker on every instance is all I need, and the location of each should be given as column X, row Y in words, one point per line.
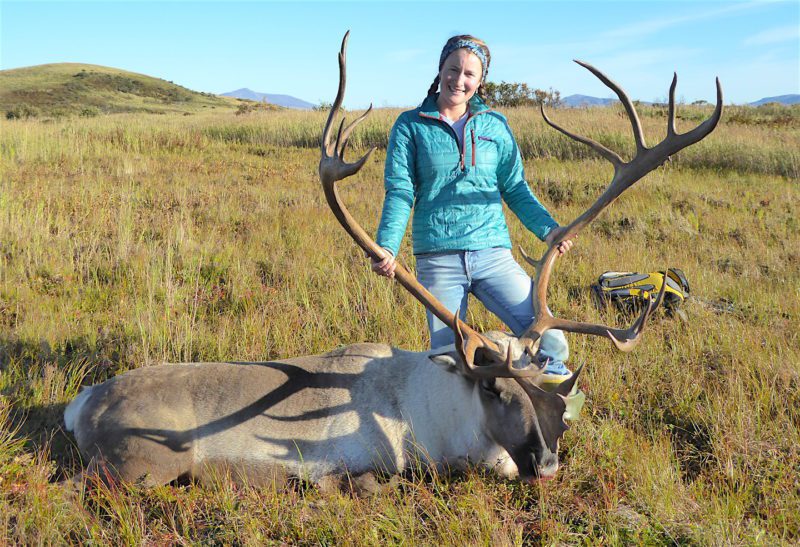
column 366, row 407
column 361, row 408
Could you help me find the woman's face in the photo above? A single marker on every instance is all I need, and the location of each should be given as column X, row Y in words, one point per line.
column 459, row 79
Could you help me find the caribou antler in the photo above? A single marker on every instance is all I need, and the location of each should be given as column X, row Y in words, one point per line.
column 625, row 175
column 333, row 168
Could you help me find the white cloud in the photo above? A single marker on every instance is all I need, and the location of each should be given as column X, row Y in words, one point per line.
column 646, row 59
column 774, row 35
column 644, row 28
column 622, row 49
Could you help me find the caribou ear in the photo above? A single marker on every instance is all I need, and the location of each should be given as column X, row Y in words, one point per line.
column 565, row 387
column 449, row 361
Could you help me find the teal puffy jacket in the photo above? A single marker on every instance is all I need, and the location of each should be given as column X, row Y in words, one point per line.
column 456, row 194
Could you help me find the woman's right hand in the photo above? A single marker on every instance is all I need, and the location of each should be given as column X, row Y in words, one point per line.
column 386, row 266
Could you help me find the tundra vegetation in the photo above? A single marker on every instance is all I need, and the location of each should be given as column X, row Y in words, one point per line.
column 128, row 240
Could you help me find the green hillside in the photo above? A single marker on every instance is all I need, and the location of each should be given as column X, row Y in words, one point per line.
column 67, row 89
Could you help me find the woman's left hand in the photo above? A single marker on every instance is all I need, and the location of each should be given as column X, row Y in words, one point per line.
column 556, row 233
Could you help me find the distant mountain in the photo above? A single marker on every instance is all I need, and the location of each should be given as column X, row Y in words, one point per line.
column 782, row 99
column 280, row 100
column 64, row 89
column 575, row 101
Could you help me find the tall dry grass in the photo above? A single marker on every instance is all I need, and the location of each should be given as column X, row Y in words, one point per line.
column 127, row 241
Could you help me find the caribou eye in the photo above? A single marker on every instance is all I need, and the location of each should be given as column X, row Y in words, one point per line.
column 489, row 387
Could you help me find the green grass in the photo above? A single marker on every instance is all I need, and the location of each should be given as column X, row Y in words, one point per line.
column 130, row 240
column 69, row 89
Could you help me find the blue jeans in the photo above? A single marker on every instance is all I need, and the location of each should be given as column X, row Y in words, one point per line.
column 495, row 278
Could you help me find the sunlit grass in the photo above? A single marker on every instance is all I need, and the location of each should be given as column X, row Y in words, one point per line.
column 127, row 241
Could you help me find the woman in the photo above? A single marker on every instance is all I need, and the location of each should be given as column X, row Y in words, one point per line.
column 454, row 160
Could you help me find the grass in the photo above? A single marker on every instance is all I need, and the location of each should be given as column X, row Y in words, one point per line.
column 130, row 240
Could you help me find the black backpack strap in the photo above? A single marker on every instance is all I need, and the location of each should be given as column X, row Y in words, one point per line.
column 622, row 280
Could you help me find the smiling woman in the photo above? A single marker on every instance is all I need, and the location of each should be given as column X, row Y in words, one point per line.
column 455, row 161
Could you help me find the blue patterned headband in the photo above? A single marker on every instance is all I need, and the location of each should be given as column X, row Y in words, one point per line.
column 466, row 44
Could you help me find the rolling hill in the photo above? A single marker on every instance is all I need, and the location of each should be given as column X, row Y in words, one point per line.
column 66, row 89
column 585, row 101
column 781, row 99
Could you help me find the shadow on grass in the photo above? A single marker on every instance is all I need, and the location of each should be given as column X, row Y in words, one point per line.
column 39, row 380
column 102, row 356
column 42, row 428
column 691, row 441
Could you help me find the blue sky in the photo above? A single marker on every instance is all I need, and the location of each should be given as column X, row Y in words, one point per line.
column 290, row 48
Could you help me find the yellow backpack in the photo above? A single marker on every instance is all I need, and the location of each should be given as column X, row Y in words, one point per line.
column 629, row 291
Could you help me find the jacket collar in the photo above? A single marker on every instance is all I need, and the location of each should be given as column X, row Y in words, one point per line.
column 429, row 108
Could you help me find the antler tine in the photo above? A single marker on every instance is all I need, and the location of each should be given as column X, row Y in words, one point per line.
column 337, row 102
column 610, row 155
column 680, row 141
column 530, row 260
column 626, row 102
column 466, row 346
column 344, row 136
column 333, row 168
column 632, row 336
column 671, row 113
column 339, row 138
column 677, row 142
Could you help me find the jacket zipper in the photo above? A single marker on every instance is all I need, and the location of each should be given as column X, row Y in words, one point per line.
column 472, row 132
column 464, row 143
